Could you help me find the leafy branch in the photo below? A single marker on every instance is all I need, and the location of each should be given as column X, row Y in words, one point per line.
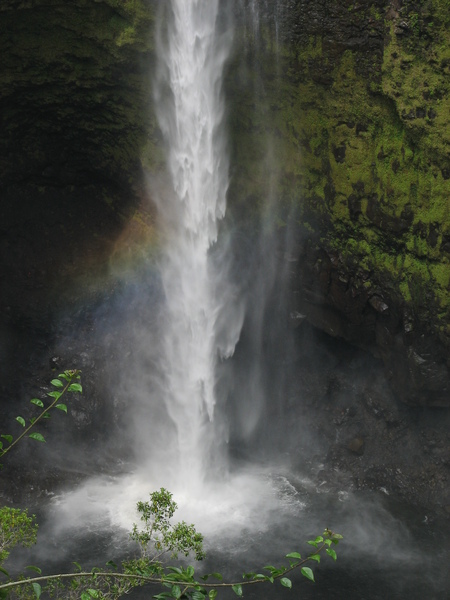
column 70, row 377
column 157, row 537
column 144, row 574
column 16, row 527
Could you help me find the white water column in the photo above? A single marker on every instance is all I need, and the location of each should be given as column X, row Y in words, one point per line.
column 189, row 104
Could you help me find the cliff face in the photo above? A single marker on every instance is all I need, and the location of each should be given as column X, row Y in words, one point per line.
column 338, row 115
column 339, row 135
column 74, row 90
column 359, row 150
column 75, row 117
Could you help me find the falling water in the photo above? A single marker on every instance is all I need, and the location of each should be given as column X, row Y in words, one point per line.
column 190, row 111
column 178, row 440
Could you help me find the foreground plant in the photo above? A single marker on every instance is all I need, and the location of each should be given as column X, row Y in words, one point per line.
column 65, row 382
column 16, row 527
column 156, row 538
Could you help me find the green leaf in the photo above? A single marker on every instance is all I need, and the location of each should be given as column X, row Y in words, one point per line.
column 37, row 590
column 75, row 387
column 37, row 402
column 55, row 395
column 33, row 568
column 93, row 593
column 57, row 383
column 198, row 595
column 315, row 557
column 37, row 436
column 312, row 543
column 21, row 420
column 237, row 589
column 212, row 594
column 331, row 553
column 176, row 592
column 270, row 568
column 280, row 571
column 78, row 567
column 8, row 438
column 4, row 571
column 286, row 582
column 62, row 407
column 190, row 572
column 85, row 596
column 112, row 564
column 216, row 575
column 293, row 555
column 307, row 572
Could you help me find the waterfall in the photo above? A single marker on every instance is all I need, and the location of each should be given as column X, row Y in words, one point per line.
column 190, row 108
column 176, row 424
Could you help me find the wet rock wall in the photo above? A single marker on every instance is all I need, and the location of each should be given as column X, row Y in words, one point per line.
column 359, row 155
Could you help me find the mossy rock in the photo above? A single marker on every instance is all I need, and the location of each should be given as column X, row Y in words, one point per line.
column 346, row 121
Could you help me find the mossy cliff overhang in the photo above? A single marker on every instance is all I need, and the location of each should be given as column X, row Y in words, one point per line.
column 360, row 141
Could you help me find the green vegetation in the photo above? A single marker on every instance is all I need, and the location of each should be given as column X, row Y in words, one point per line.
column 157, row 537
column 65, row 382
column 16, row 528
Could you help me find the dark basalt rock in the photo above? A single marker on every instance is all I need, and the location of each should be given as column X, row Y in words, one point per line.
column 356, row 445
column 344, row 303
column 367, row 438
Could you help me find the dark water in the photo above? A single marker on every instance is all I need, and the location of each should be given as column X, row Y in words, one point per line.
column 388, row 551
